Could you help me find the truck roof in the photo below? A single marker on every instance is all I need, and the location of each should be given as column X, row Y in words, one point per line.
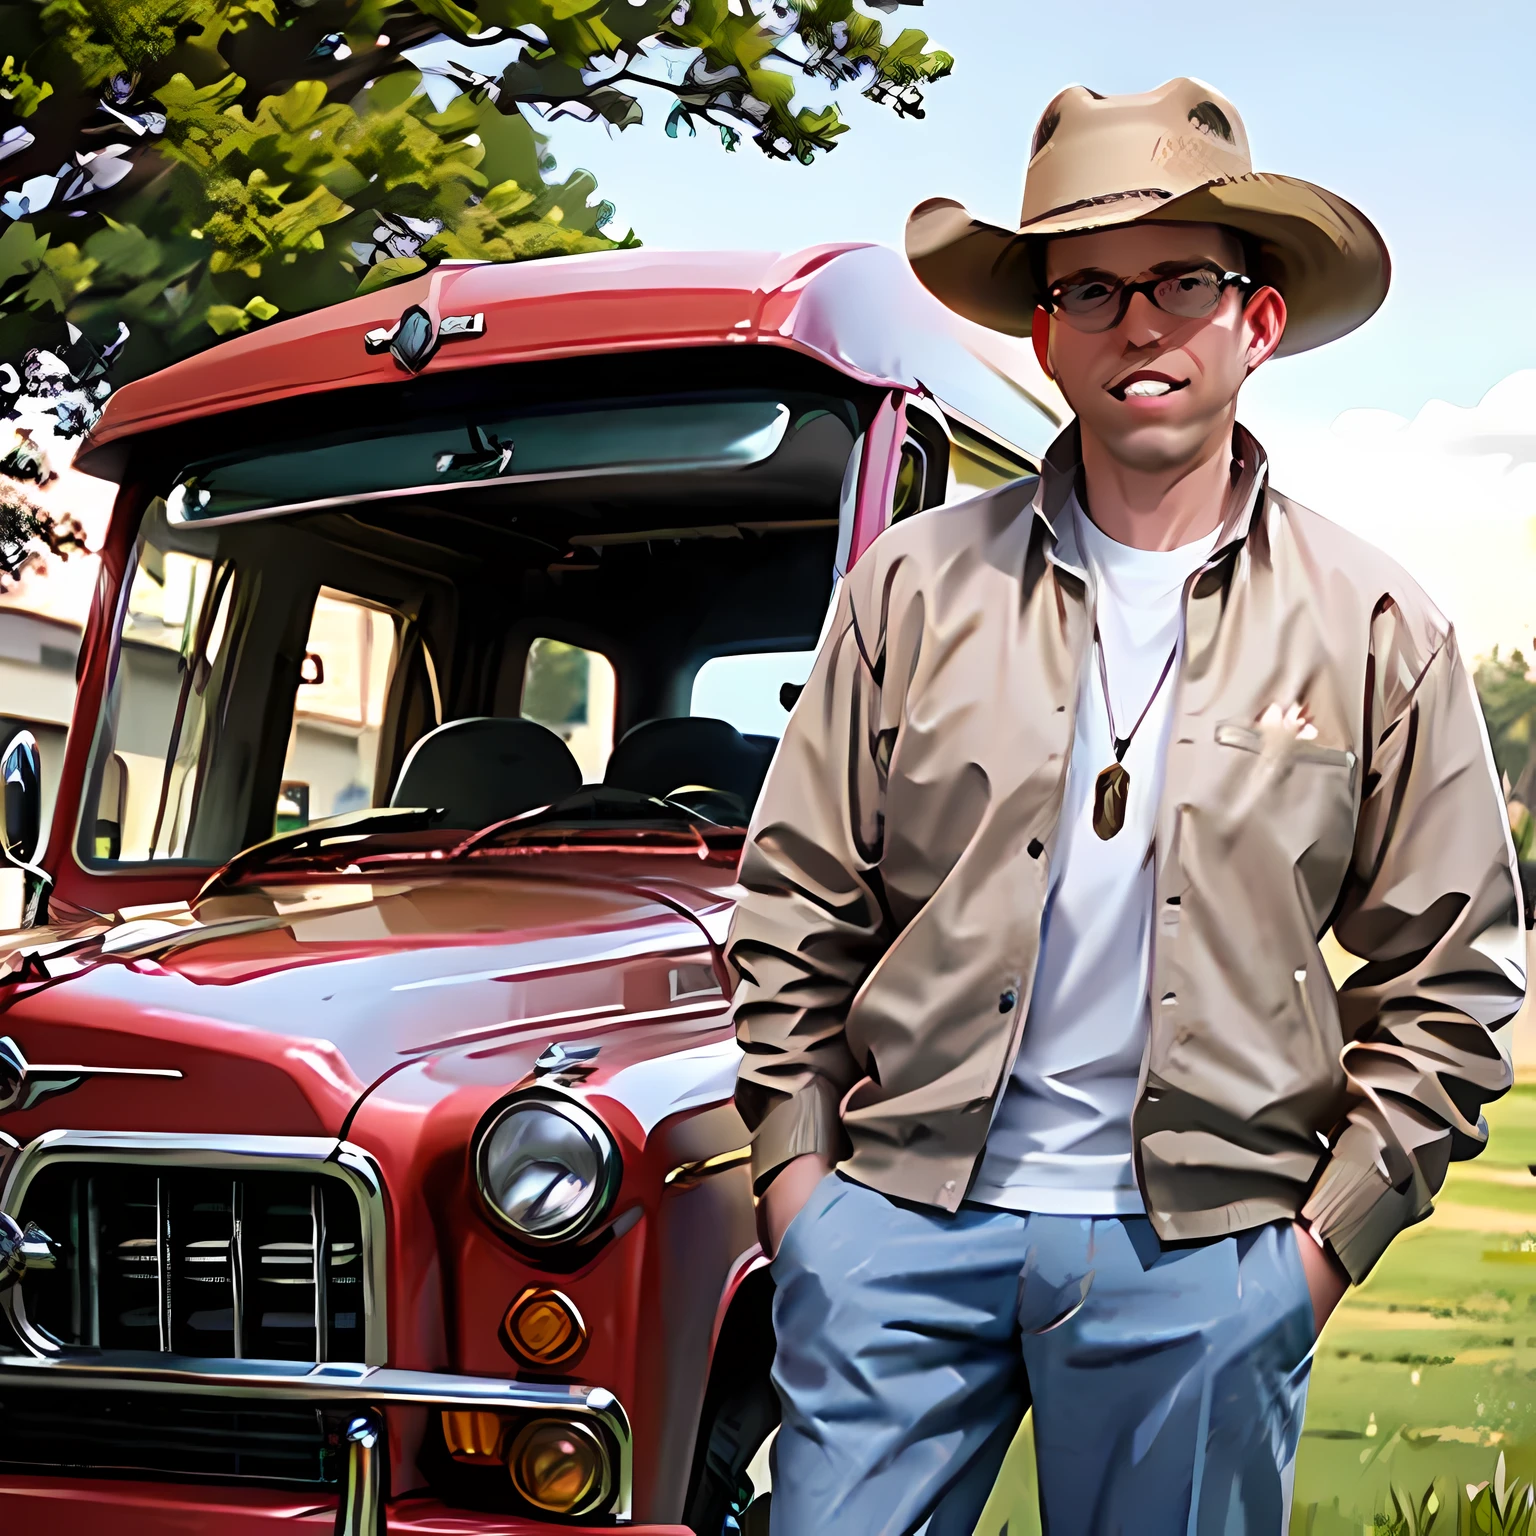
column 859, row 308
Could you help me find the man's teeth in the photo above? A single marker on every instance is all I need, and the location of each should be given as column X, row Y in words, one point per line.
column 1148, row 387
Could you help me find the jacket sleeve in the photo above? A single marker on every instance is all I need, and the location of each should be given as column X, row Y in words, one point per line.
column 811, row 920
column 1432, row 908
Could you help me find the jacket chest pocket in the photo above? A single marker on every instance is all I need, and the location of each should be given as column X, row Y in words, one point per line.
column 1283, row 806
column 1281, row 752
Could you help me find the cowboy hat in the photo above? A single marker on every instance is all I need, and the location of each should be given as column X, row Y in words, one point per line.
column 1178, row 154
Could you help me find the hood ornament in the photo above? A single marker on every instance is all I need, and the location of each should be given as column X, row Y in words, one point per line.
column 561, row 1057
column 415, row 336
column 23, row 1249
column 24, row 1083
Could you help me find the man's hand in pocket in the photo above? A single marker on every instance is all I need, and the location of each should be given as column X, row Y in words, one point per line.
column 1327, row 1279
column 789, row 1191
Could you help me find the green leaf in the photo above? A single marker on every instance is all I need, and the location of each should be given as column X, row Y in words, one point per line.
column 226, row 319
column 21, row 250
column 452, row 16
column 263, row 195
column 506, row 198
column 20, row 89
column 382, row 273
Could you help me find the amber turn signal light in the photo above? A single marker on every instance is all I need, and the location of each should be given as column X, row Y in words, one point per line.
column 474, row 1437
column 558, row 1466
column 543, row 1329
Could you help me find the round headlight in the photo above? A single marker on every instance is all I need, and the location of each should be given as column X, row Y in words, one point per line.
column 558, row 1467
column 548, row 1168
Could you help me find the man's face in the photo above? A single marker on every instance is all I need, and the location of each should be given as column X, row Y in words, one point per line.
column 1186, row 373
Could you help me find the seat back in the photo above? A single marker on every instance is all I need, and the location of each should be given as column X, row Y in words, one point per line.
column 657, row 757
column 485, row 769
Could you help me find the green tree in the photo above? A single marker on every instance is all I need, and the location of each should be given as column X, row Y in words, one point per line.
column 177, row 171
column 555, row 688
column 27, row 532
column 1508, row 698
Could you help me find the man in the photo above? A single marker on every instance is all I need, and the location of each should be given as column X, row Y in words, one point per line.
column 1053, row 1098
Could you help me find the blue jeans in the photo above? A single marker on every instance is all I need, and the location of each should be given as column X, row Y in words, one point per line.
column 1168, row 1384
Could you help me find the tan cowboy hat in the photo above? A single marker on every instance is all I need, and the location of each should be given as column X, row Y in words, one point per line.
column 1178, row 154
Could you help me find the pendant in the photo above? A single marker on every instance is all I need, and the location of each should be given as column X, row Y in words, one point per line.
column 1109, row 795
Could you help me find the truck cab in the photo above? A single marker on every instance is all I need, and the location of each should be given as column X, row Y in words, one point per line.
column 368, row 1156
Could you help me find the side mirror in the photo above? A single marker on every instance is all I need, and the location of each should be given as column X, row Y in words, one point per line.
column 22, row 770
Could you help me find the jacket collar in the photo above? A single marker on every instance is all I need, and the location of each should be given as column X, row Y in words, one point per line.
column 1058, row 475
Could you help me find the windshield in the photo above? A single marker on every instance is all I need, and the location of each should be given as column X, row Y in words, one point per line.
column 482, row 645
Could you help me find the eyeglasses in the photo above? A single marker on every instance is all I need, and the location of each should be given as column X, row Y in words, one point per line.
column 1097, row 301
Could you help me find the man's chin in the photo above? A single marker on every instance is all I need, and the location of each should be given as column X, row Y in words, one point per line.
column 1153, row 447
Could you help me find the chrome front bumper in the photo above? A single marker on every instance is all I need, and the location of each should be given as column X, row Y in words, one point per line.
column 360, row 1510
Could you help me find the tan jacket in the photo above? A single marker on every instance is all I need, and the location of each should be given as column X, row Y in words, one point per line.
column 897, row 865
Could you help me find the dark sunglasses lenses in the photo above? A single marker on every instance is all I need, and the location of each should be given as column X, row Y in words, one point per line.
column 1188, row 294
column 1096, row 304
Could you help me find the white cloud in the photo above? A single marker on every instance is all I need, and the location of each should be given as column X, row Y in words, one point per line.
column 1451, row 494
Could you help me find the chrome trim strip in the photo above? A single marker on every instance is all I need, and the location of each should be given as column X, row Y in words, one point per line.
column 368, row 1386
column 689, row 1173
column 237, row 1264
column 237, row 1153
column 320, row 1265
column 30, row 1082
column 360, row 1508
column 670, row 467
column 367, row 1184
column 163, row 1262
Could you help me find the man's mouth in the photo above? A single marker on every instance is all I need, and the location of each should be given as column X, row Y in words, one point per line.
column 1146, row 384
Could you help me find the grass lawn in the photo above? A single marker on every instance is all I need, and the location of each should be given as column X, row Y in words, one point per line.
column 1426, row 1371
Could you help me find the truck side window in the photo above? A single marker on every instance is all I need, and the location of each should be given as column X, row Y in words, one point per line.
column 572, row 691
column 978, row 462
column 333, row 745
column 172, row 645
column 245, row 696
column 922, row 476
column 753, row 692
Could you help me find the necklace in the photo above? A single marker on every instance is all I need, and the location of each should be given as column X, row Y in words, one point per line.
column 1113, row 785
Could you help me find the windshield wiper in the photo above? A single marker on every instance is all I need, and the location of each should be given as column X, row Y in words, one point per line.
column 318, row 837
column 600, row 805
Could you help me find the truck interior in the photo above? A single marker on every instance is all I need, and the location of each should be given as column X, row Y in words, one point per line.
column 480, row 593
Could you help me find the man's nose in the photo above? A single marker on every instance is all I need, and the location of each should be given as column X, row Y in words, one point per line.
column 1144, row 324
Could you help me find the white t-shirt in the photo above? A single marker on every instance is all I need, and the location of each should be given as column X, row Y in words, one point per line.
column 1060, row 1140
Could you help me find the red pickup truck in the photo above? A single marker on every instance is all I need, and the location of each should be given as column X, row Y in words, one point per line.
column 367, row 1150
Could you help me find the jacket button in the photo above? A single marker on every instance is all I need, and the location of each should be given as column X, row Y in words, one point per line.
column 1006, row 1002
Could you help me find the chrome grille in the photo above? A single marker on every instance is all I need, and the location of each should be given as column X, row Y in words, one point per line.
column 155, row 1435
column 210, row 1262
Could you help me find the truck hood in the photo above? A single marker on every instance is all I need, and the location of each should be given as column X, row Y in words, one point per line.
column 280, row 1007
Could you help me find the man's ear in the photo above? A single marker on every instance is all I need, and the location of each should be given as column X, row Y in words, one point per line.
column 1040, row 334
column 1265, row 316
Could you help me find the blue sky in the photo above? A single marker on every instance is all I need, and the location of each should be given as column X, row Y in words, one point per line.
column 1420, row 113
column 1419, row 430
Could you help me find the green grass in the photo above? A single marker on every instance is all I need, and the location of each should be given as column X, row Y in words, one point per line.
column 1426, row 1371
